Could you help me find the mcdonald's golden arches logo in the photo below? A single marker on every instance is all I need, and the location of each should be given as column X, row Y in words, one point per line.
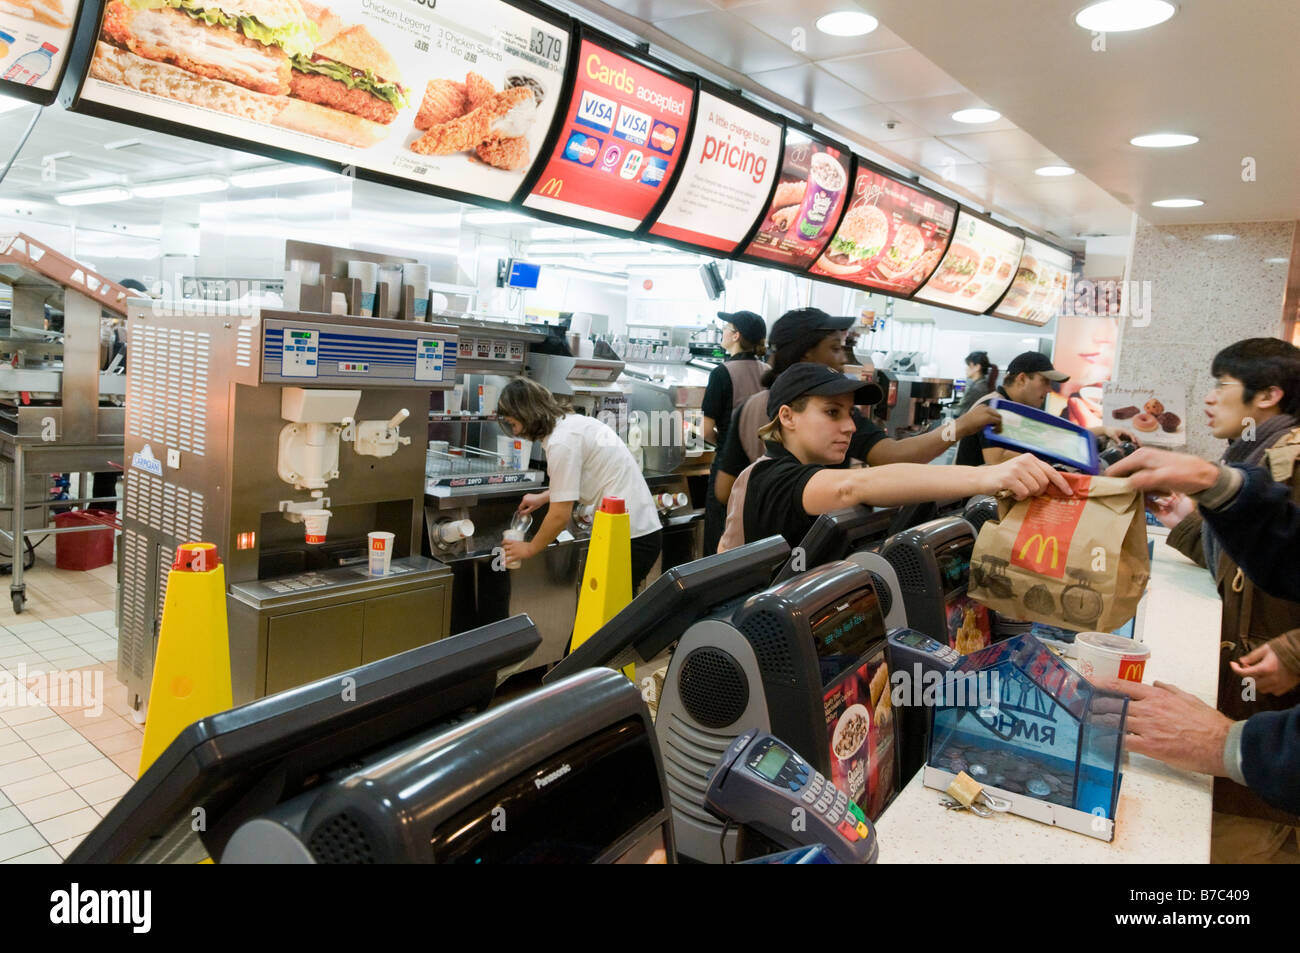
column 552, row 187
column 1043, row 543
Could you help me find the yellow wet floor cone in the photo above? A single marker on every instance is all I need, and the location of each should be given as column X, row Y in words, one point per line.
column 607, row 582
column 191, row 675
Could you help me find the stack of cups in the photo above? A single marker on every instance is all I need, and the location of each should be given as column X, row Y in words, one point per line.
column 417, row 276
column 316, row 523
column 366, row 272
column 391, row 275
column 381, row 552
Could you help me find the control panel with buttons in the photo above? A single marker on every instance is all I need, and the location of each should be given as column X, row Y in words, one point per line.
column 761, row 783
column 401, row 354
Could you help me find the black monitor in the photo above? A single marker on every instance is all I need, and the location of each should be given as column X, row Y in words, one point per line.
column 229, row 767
column 668, row 606
column 837, row 534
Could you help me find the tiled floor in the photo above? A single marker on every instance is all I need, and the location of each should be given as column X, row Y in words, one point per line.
column 68, row 745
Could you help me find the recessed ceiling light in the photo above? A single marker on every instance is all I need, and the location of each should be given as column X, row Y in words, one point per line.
column 1275, row 261
column 847, row 23
column 974, row 116
column 1119, row 16
column 1052, row 170
column 1220, row 237
column 1163, row 140
column 1177, row 203
column 198, row 185
column 93, row 197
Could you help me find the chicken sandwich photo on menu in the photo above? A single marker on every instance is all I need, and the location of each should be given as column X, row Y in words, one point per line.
column 958, row 268
column 229, row 55
column 861, row 237
column 903, row 253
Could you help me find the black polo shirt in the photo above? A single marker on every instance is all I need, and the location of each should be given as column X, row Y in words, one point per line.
column 970, row 450
column 774, row 499
column 720, row 393
column 732, row 458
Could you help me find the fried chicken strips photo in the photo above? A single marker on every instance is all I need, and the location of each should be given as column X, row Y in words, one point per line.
column 474, row 116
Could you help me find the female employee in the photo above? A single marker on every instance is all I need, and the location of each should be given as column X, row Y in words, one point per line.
column 981, row 378
column 731, row 383
column 810, row 334
column 807, row 438
column 585, row 462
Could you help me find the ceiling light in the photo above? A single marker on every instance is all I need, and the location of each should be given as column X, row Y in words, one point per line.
column 1275, row 261
column 199, row 185
column 279, row 175
column 1054, row 170
column 497, row 218
column 55, row 156
column 1163, row 140
column 121, row 144
column 1177, row 203
column 1119, row 16
column 847, row 23
column 93, row 197
column 975, row 116
column 1220, row 237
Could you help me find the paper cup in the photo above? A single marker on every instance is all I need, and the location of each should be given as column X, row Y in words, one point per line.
column 455, row 399
column 391, row 275
column 417, row 276
column 381, row 552
column 516, row 535
column 316, row 523
column 1101, row 655
column 487, row 399
column 366, row 272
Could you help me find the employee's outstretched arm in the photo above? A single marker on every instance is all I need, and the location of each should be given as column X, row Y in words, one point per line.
column 925, row 447
column 557, row 517
column 902, row 483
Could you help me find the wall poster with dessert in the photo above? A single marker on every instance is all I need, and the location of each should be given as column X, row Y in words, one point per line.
column 622, row 137
column 891, row 237
column 1156, row 416
column 458, row 95
column 34, row 39
column 806, row 207
column 1039, row 288
column 977, row 267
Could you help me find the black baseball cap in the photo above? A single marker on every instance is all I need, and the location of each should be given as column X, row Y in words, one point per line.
column 1031, row 362
column 817, row 380
column 793, row 324
column 751, row 327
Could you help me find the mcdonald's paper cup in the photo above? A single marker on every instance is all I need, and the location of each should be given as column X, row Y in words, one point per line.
column 367, row 272
column 417, row 276
column 316, row 523
column 1101, row 655
column 381, row 552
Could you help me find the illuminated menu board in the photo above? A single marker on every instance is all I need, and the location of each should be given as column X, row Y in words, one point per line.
column 977, row 268
column 620, row 143
column 34, row 38
column 458, row 95
column 891, row 237
column 1040, row 285
column 726, row 179
column 806, row 207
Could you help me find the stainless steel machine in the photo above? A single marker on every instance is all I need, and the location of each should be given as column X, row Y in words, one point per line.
column 61, row 390
column 664, row 401
column 241, row 429
column 911, row 404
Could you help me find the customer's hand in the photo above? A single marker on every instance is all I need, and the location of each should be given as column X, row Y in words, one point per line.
column 1024, row 476
column 976, row 419
column 531, row 502
column 1171, row 510
column 1120, row 435
column 1168, row 724
column 1164, row 470
column 1267, row 670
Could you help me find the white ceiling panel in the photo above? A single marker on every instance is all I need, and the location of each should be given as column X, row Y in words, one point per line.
column 893, row 75
column 780, row 20
column 998, row 146
column 930, row 153
column 870, row 122
column 732, row 42
column 934, row 114
column 655, row 10
column 809, row 85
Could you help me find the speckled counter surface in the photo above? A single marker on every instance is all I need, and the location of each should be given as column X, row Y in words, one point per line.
column 1163, row 815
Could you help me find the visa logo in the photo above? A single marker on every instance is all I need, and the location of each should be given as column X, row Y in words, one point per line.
column 633, row 126
column 596, row 112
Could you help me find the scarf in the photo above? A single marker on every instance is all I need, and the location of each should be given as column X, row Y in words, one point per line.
column 1249, row 452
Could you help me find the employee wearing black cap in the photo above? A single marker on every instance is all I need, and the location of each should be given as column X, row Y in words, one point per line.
column 1029, row 379
column 806, row 439
column 731, row 383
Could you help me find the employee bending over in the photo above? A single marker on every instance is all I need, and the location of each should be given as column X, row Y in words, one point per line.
column 806, row 439
column 586, row 461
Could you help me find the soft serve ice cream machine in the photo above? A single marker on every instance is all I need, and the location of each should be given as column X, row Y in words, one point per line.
column 284, row 438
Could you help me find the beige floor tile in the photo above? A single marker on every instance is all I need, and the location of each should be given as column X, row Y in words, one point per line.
column 22, row 841
column 106, row 726
column 64, row 848
column 30, row 790
column 32, row 767
column 49, row 744
column 80, row 660
column 51, row 725
column 16, row 751
column 43, row 808
column 129, row 762
column 97, row 791
column 119, row 744
column 79, row 753
column 96, row 770
column 11, row 818
column 105, row 806
column 13, row 717
column 83, row 717
column 43, row 855
column 70, row 625
column 8, row 736
column 64, row 826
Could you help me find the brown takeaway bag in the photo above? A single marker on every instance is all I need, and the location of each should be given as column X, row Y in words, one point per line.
column 1075, row 562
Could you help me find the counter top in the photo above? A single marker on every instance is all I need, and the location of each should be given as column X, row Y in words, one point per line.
column 1163, row 814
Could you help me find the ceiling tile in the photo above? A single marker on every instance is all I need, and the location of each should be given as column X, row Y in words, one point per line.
column 813, row 88
column 934, row 114
column 730, row 41
column 893, row 75
column 1022, row 170
column 930, row 153
column 869, row 122
column 780, row 19
column 999, row 146
column 653, row 11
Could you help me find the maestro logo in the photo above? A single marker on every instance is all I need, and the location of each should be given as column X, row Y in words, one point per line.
column 655, row 172
column 613, row 156
column 663, row 137
column 582, row 149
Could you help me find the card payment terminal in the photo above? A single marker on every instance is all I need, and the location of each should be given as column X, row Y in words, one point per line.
column 761, row 783
column 1029, row 430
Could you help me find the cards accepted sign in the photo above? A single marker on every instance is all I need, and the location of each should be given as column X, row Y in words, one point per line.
column 619, row 145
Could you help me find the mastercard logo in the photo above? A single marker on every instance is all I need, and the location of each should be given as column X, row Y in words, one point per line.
column 663, row 137
column 582, row 149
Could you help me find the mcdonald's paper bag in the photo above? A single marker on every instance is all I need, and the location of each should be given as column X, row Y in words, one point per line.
column 1076, row 562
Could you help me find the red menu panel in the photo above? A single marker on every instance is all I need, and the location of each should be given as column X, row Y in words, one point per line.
column 891, row 238
column 807, row 204
column 620, row 142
